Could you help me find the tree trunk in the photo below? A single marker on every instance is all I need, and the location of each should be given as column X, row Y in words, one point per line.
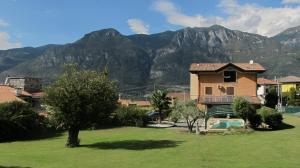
column 160, row 117
column 73, row 140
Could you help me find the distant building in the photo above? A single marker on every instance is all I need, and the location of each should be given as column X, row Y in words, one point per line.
column 179, row 96
column 263, row 88
column 288, row 82
column 27, row 84
column 138, row 103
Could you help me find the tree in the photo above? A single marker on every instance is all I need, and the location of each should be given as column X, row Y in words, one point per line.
column 80, row 97
column 271, row 98
column 19, row 121
column 292, row 97
column 189, row 112
column 243, row 108
column 160, row 103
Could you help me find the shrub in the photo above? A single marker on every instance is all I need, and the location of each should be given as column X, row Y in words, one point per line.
column 271, row 117
column 242, row 108
column 255, row 120
column 19, row 121
column 131, row 116
column 274, row 120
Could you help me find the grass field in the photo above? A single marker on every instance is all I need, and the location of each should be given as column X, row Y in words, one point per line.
column 160, row 148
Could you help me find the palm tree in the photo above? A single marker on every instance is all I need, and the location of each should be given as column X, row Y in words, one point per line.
column 160, row 102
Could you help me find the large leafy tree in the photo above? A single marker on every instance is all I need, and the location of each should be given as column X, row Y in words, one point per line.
column 189, row 112
column 160, row 102
column 80, row 97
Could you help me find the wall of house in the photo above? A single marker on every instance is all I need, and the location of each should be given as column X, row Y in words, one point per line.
column 194, row 86
column 245, row 85
column 287, row 87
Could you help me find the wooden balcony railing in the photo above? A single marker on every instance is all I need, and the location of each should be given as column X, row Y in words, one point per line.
column 215, row 99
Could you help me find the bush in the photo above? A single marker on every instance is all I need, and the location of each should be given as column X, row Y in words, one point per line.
column 255, row 120
column 274, row 120
column 19, row 121
column 271, row 117
column 132, row 116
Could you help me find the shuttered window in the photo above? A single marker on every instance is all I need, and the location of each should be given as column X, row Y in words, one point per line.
column 230, row 90
column 208, row 90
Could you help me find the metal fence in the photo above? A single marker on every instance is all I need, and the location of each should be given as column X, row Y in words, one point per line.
column 289, row 109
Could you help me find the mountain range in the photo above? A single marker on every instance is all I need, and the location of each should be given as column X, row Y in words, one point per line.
column 162, row 58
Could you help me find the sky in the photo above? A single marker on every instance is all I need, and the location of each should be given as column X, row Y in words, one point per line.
column 39, row 22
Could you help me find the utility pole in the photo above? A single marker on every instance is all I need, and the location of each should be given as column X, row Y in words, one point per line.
column 279, row 101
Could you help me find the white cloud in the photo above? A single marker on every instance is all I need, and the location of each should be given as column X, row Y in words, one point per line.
column 5, row 43
column 3, row 23
column 291, row 1
column 248, row 17
column 138, row 26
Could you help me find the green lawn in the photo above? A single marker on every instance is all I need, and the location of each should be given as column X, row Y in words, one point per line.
column 160, row 148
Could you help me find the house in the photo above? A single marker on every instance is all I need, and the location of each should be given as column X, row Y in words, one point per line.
column 28, row 84
column 215, row 85
column 263, row 87
column 9, row 94
column 288, row 82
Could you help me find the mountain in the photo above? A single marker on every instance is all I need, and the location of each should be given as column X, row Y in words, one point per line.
column 164, row 58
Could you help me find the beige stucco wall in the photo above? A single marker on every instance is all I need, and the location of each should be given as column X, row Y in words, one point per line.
column 194, row 86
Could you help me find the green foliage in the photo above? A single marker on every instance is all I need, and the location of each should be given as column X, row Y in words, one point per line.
column 271, row 98
column 80, row 97
column 255, row 120
column 189, row 112
column 161, row 103
column 132, row 116
column 19, row 121
column 274, row 120
column 242, row 108
column 271, row 117
column 292, row 99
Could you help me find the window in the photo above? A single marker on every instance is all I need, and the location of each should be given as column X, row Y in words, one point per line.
column 230, row 90
column 229, row 76
column 208, row 90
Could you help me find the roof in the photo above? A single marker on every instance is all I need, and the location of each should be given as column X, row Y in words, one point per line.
column 215, row 67
column 7, row 94
column 289, row 79
column 264, row 81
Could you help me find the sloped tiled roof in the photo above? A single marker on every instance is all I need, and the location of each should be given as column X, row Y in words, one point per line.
column 289, row 79
column 7, row 94
column 212, row 67
column 264, row 81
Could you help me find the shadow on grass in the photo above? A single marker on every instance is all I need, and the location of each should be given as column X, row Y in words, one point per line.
column 135, row 144
column 48, row 135
column 283, row 126
column 12, row 167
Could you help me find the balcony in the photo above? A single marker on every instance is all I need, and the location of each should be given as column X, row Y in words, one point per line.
column 225, row 99
column 215, row 99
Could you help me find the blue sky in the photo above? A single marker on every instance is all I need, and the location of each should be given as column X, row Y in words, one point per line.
column 39, row 22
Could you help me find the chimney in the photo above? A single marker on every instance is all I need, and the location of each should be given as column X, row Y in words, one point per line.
column 251, row 62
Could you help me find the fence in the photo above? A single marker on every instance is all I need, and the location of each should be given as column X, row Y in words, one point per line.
column 289, row 109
